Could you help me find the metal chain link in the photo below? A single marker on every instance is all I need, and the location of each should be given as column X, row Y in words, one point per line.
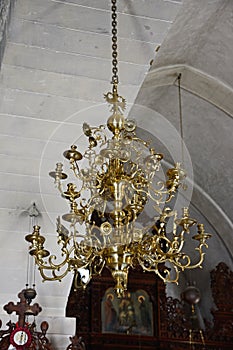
column 115, row 78
column 181, row 119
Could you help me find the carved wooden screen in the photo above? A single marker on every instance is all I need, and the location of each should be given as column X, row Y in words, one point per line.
column 170, row 327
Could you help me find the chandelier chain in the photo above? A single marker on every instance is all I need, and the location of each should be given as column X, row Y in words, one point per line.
column 181, row 119
column 115, row 78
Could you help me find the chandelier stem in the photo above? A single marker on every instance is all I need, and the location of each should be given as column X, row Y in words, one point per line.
column 115, row 78
column 181, row 119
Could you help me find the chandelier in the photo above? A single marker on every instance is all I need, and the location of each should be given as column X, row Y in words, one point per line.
column 117, row 178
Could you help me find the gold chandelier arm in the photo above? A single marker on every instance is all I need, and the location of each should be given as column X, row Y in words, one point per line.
column 59, row 187
column 72, row 264
column 97, row 265
column 178, row 243
column 54, row 277
column 134, row 137
column 188, row 264
column 163, row 272
column 202, row 255
column 148, row 193
column 158, row 249
column 161, row 193
column 157, row 195
column 53, row 268
column 152, row 265
column 88, row 246
column 175, row 176
column 58, row 175
column 75, row 170
column 99, row 135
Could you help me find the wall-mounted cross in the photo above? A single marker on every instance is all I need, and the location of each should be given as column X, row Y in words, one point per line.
column 22, row 308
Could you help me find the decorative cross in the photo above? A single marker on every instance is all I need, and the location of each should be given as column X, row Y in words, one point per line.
column 22, row 308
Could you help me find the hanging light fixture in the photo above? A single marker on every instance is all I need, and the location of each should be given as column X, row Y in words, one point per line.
column 117, row 178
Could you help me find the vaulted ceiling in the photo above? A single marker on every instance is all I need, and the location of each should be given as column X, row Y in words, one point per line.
column 55, row 70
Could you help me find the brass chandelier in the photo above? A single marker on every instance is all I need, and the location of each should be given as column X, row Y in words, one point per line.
column 118, row 177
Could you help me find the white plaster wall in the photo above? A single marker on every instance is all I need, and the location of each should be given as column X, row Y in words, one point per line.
column 199, row 46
